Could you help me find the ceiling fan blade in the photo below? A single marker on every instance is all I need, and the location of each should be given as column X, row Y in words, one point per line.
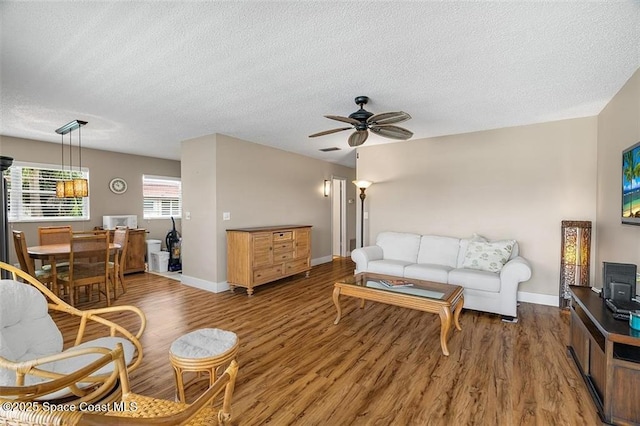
column 358, row 137
column 344, row 119
column 393, row 132
column 328, row 132
column 385, row 118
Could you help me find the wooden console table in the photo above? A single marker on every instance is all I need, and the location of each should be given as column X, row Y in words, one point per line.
column 607, row 353
column 261, row 255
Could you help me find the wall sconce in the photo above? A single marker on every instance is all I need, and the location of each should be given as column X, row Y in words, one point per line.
column 575, row 255
column 78, row 186
column 327, row 188
column 363, row 185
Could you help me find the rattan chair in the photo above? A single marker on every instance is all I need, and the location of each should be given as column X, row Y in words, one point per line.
column 31, row 345
column 131, row 408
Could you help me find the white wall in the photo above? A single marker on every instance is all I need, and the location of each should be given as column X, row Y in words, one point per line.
column 618, row 129
column 518, row 183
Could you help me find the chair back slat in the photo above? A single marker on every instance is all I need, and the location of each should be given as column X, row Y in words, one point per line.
column 90, row 248
column 20, row 244
column 121, row 237
column 54, row 235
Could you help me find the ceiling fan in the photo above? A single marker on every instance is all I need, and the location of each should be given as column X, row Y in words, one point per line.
column 362, row 121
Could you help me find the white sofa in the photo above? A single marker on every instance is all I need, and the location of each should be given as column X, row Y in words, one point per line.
column 489, row 271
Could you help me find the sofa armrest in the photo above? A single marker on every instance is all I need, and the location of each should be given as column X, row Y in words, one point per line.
column 515, row 271
column 362, row 256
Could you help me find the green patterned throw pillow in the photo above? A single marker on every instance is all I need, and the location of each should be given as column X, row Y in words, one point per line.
column 488, row 256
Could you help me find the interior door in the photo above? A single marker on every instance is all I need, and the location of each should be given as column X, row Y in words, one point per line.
column 340, row 246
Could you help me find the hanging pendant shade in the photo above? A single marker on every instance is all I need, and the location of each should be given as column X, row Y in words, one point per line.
column 68, row 189
column 80, row 187
column 60, row 189
column 75, row 187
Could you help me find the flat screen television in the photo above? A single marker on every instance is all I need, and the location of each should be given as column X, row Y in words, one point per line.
column 631, row 185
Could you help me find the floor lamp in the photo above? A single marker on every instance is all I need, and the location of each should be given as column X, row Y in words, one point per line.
column 575, row 254
column 363, row 185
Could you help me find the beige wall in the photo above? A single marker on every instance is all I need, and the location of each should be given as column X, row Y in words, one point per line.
column 618, row 129
column 518, row 182
column 258, row 186
column 103, row 166
column 199, row 186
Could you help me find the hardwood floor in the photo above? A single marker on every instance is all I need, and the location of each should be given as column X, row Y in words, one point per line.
column 381, row 365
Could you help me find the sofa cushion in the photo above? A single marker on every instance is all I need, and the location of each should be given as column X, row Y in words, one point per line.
column 399, row 246
column 475, row 279
column 437, row 250
column 488, row 256
column 388, row 267
column 427, row 272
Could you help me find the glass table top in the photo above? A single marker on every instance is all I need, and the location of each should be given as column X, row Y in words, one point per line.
column 409, row 286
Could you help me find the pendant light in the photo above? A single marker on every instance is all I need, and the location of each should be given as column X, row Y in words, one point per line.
column 77, row 187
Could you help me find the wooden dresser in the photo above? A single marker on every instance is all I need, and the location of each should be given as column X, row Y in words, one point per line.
column 258, row 256
column 607, row 354
column 136, row 249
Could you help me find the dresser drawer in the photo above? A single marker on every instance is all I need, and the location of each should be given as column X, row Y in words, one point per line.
column 296, row 265
column 282, row 246
column 282, row 236
column 279, row 257
column 267, row 274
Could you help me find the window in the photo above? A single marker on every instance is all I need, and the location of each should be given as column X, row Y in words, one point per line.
column 162, row 197
column 32, row 194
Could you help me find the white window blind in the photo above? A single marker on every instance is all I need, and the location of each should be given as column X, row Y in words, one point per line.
column 32, row 194
column 162, row 197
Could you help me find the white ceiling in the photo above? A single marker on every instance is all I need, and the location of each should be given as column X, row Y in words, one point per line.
column 148, row 75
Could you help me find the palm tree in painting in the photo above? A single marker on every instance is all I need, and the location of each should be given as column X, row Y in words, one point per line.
column 630, row 170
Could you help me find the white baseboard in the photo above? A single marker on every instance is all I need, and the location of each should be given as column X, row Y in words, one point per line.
column 204, row 284
column 538, row 299
column 320, row 260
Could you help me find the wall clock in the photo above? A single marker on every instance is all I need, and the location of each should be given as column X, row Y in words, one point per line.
column 118, row 185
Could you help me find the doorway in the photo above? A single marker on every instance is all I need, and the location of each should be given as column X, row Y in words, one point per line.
column 340, row 246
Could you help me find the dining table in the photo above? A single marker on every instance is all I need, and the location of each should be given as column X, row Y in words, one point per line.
column 52, row 253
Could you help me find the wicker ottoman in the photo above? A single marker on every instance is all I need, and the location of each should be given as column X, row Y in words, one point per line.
column 202, row 351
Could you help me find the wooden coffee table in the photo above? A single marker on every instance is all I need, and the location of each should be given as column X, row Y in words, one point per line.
column 426, row 296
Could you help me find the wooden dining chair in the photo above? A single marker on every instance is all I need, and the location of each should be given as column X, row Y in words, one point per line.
column 116, row 265
column 54, row 235
column 27, row 264
column 88, row 266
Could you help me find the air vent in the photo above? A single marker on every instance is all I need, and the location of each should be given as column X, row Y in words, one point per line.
column 333, row 148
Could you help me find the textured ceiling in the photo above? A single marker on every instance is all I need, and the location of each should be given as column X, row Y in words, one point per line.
column 147, row 75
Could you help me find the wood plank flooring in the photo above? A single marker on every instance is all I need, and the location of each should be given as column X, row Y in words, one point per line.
column 381, row 365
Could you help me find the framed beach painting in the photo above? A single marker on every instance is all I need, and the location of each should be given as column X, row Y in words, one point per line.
column 631, row 185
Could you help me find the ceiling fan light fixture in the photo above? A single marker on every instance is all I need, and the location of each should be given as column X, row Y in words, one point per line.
column 363, row 121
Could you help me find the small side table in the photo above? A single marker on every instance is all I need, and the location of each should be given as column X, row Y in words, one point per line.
column 201, row 351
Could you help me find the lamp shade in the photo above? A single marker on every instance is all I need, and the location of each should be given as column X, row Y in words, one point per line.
column 60, row 189
column 80, row 187
column 68, row 189
column 575, row 255
column 362, row 184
